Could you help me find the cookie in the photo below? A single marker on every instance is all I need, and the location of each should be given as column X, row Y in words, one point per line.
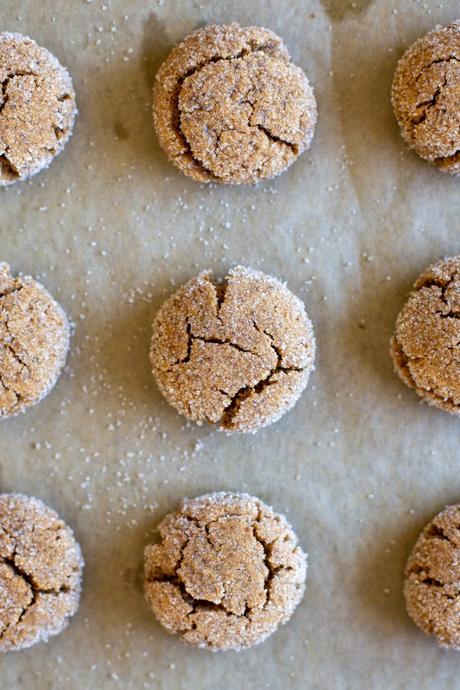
column 426, row 97
column 426, row 345
column 227, row 572
column 34, row 340
column 237, row 354
column 40, row 572
column 230, row 107
column 432, row 585
column 37, row 108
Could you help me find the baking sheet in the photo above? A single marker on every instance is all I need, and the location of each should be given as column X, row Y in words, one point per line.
column 359, row 465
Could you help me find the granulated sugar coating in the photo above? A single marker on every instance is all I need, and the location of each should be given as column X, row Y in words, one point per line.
column 426, row 97
column 236, row 354
column 40, row 572
column 230, row 107
column 227, row 572
column 34, row 339
column 426, row 344
column 432, row 586
column 37, row 108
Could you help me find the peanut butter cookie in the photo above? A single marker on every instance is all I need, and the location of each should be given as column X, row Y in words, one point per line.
column 230, row 107
column 432, row 586
column 34, row 339
column 37, row 108
column 426, row 97
column 236, row 354
column 226, row 573
column 40, row 572
column 426, row 345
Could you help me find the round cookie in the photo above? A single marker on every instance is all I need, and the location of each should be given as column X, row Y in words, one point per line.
column 432, row 585
column 34, row 340
column 40, row 572
column 37, row 108
column 426, row 96
column 236, row 354
column 229, row 106
column 226, row 573
column 426, row 345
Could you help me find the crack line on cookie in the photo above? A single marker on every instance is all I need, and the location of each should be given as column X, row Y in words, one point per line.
column 35, row 590
column 4, row 85
column 429, row 105
column 451, row 58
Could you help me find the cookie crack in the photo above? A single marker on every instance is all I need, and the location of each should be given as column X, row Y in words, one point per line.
column 35, row 590
column 4, row 85
column 10, row 291
column 17, row 357
column 7, row 346
column 436, row 532
column 438, row 282
column 428, row 105
column 277, row 140
column 423, row 577
column 217, row 341
column 221, row 294
column 231, row 410
column 432, row 582
column 7, row 169
column 7, row 387
column 453, row 158
column 271, row 571
column 451, row 58
column 29, row 579
column 9, row 390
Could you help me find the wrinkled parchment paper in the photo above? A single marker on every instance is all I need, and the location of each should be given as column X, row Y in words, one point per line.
column 359, row 465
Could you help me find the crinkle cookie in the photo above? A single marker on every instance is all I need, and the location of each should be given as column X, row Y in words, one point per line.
column 426, row 97
column 426, row 345
column 40, row 572
column 37, row 108
column 230, row 107
column 237, row 354
column 34, row 340
column 432, row 586
column 227, row 572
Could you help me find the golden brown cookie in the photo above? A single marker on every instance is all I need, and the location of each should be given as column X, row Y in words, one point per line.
column 432, row 586
column 226, row 573
column 40, row 572
column 34, row 340
column 237, row 354
column 230, row 107
column 426, row 345
column 37, row 108
column 426, row 97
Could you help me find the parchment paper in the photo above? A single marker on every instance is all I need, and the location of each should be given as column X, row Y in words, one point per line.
column 359, row 465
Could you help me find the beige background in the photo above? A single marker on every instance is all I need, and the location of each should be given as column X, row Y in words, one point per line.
column 359, row 465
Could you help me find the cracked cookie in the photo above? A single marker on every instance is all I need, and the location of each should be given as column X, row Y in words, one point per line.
column 227, row 571
column 426, row 97
column 230, row 107
column 426, row 345
column 237, row 354
column 34, row 340
column 432, row 585
column 37, row 108
column 40, row 572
